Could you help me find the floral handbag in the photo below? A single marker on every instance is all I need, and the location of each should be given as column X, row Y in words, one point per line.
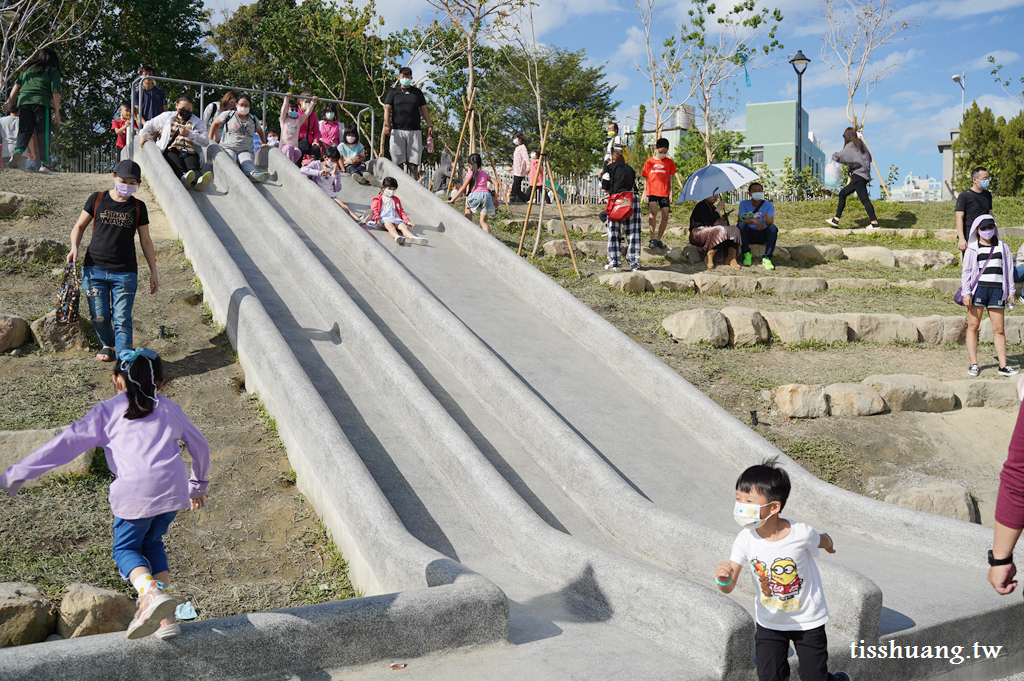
column 68, row 296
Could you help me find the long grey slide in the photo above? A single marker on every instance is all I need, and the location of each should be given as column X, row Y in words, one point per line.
column 520, row 489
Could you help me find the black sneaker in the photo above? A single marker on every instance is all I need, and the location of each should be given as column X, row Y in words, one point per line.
column 661, row 244
column 974, row 370
column 653, row 243
column 1007, row 371
column 842, row 676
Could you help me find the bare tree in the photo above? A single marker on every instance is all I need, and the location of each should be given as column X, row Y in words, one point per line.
column 664, row 71
column 742, row 38
column 515, row 32
column 1007, row 84
column 856, row 28
column 30, row 25
column 472, row 18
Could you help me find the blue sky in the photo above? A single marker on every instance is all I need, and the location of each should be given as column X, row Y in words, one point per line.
column 907, row 115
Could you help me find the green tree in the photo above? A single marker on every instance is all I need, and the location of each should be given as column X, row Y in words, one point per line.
column 726, row 145
column 977, row 145
column 98, row 68
column 1009, row 156
column 576, row 141
column 639, row 152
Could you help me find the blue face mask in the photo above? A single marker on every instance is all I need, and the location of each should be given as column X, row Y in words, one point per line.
column 292, row 113
column 984, row 183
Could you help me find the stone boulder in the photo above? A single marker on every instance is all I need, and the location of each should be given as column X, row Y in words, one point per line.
column 53, row 337
column 28, row 250
column 941, row 498
column 880, row 328
column 924, row 260
column 835, row 284
column 802, row 401
column 25, row 615
column 878, row 254
column 678, row 231
column 714, row 285
column 854, row 399
column 792, row 284
column 948, row 235
column 746, row 326
column 691, row 254
column 13, row 331
column 694, row 326
column 809, row 253
column 11, row 203
column 1013, row 327
column 15, row 445
column 87, row 610
column 795, row 327
column 939, row 329
column 757, row 251
column 559, row 248
column 999, row 394
column 669, row 281
column 627, row 282
column 673, row 254
column 592, row 248
column 947, row 286
column 910, row 392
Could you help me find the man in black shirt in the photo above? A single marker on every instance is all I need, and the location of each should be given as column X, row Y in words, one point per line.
column 402, row 110
column 971, row 203
column 110, row 269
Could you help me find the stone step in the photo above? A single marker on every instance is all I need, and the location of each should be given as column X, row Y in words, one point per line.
column 714, row 284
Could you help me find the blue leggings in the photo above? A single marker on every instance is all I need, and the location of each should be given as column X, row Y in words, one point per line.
column 140, row 543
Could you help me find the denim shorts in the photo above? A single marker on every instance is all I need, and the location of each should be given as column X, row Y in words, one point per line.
column 988, row 296
column 480, row 202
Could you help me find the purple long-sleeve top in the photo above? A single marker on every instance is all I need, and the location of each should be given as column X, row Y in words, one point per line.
column 143, row 454
column 971, row 271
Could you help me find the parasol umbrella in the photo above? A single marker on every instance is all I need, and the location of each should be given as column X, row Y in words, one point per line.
column 716, row 178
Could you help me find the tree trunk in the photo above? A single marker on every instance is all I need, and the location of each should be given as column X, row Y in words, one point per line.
column 469, row 59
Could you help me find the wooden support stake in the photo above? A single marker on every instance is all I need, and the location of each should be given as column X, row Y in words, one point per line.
column 468, row 104
column 878, row 172
column 565, row 228
column 533, row 189
column 494, row 170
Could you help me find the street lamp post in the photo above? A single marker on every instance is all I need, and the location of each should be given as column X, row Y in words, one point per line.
column 959, row 79
column 799, row 63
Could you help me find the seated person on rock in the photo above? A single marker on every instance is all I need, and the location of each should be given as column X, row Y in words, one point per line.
column 711, row 232
column 756, row 223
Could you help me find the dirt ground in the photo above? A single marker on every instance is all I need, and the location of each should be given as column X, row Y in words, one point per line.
column 873, row 456
column 258, row 544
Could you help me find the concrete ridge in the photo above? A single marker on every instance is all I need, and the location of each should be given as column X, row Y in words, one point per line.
column 719, row 627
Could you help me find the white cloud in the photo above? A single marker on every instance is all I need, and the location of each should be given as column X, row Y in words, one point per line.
column 959, row 9
column 918, row 101
column 982, row 63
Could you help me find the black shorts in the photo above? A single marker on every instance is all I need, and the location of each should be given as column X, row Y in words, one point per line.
column 662, row 201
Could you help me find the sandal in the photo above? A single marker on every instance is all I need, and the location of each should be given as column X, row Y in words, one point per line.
column 106, row 354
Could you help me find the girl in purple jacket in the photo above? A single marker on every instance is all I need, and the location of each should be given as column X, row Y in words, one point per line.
column 139, row 433
column 987, row 283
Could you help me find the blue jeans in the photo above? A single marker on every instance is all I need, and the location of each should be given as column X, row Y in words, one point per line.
column 1018, row 273
column 111, row 296
column 140, row 543
column 767, row 236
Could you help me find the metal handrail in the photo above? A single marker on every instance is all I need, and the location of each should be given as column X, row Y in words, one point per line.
column 202, row 97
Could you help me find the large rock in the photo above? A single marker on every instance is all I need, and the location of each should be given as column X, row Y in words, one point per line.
column 746, row 326
column 673, row 254
column 795, row 327
column 13, row 331
column 939, row 329
column 714, row 285
column 757, row 251
column 910, row 392
column 880, row 328
column 53, row 337
column 559, row 248
column 802, row 401
column 25, row 615
column 628, row 282
column 948, row 235
column 28, row 250
column 694, row 326
column 678, row 231
column 877, row 254
column 15, row 445
column 792, row 284
column 809, row 253
column 924, row 260
column 691, row 254
column 834, row 284
column 592, row 248
column 947, row 286
column 11, row 203
column 999, row 394
column 661, row 280
column 1013, row 327
column 86, row 610
column 940, row 498
column 854, row 399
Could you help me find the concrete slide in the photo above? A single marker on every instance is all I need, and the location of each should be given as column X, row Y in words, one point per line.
column 547, row 499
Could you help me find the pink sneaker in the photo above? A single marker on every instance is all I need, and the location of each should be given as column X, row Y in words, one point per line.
column 169, row 628
column 154, row 605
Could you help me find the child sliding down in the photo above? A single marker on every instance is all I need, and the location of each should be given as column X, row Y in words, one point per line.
column 388, row 212
column 327, row 174
column 139, row 433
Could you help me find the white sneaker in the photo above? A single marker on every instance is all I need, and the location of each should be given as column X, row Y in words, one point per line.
column 399, row 239
column 370, row 179
column 154, row 605
column 1007, row 371
column 612, row 268
column 418, row 240
column 206, row 179
column 17, row 161
column 169, row 628
column 188, row 178
column 973, row 370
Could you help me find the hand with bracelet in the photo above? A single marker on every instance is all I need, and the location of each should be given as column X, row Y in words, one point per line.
column 725, row 573
column 1001, row 571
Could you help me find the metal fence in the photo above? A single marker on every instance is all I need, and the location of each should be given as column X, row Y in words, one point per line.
column 582, row 189
column 101, row 161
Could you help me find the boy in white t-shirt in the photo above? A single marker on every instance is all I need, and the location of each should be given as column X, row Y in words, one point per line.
column 790, row 606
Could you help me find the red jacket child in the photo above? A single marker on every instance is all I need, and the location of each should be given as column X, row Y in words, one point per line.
column 377, row 205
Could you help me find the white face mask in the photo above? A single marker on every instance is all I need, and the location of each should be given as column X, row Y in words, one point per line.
column 757, row 196
column 389, row 192
column 351, row 139
column 533, row 155
column 661, row 154
column 749, row 515
column 329, row 116
column 244, row 110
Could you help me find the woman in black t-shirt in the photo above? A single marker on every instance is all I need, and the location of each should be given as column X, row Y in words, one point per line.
column 715, row 241
column 110, row 268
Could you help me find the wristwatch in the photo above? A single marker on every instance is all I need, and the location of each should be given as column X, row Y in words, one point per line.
column 994, row 562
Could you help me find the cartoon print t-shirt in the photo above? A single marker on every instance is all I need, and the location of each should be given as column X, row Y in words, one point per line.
column 786, row 579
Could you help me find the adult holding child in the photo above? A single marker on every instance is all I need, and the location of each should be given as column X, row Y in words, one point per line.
column 857, row 158
column 756, row 223
column 180, row 131
column 403, row 108
column 239, row 127
column 110, row 267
